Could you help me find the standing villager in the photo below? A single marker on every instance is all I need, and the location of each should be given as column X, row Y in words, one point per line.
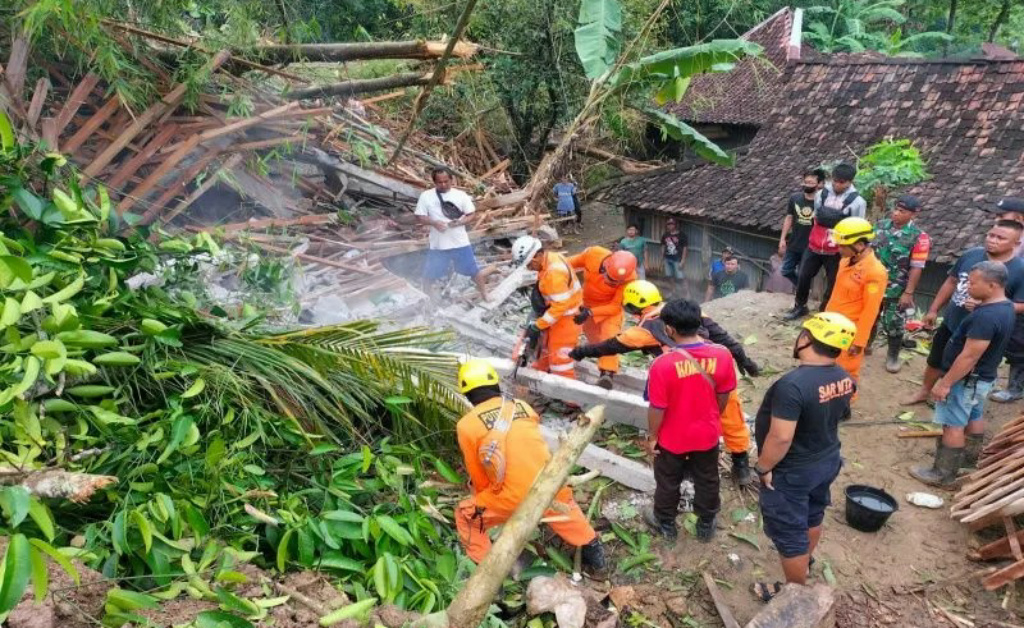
column 561, row 296
column 834, row 204
column 860, row 287
column 674, row 243
column 797, row 432
column 903, row 249
column 605, row 276
column 446, row 211
column 637, row 245
column 504, row 451
column 796, row 226
column 1000, row 243
column 688, row 388
column 1012, row 209
column 568, row 202
column 970, row 360
column 729, row 280
column 643, row 300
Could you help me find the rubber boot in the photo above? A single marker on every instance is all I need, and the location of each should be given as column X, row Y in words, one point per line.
column 893, row 363
column 741, row 469
column 1015, row 386
column 666, row 529
column 973, row 450
column 942, row 473
column 605, row 380
column 798, row 311
column 705, row 529
column 592, row 555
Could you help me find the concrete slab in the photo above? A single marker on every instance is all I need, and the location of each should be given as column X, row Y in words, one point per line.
column 626, row 472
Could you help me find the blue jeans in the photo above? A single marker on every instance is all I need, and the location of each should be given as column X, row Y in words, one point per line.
column 791, row 264
column 440, row 261
column 964, row 403
column 673, row 268
column 797, row 504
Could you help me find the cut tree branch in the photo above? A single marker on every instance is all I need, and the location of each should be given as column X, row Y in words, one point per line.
column 56, row 483
column 416, row 49
column 345, row 89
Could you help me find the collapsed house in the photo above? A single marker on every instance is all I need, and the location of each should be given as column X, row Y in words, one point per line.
column 328, row 184
column 964, row 115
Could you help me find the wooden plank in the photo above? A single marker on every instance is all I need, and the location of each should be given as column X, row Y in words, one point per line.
column 166, row 104
column 92, row 124
column 1004, row 576
column 1000, row 548
column 261, row 224
column 993, row 507
column 1011, row 534
column 999, row 488
column 35, row 108
column 919, row 434
column 17, row 66
column 210, row 181
column 48, row 129
column 159, row 173
column 312, row 258
column 126, row 171
column 719, row 600
column 179, row 185
column 1010, row 510
column 75, row 100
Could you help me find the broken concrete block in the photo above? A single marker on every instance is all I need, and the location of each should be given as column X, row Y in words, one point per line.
column 798, row 606
column 626, row 472
column 559, row 596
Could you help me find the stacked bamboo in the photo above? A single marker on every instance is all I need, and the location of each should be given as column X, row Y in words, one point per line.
column 994, row 494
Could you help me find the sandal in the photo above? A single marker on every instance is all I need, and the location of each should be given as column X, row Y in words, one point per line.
column 764, row 591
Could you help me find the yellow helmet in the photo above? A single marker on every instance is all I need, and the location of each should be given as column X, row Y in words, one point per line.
column 852, row 229
column 832, row 329
column 476, row 373
column 641, row 294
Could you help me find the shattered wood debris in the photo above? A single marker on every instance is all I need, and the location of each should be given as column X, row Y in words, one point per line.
column 303, row 179
column 994, row 495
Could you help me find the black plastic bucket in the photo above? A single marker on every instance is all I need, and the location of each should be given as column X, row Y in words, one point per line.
column 868, row 508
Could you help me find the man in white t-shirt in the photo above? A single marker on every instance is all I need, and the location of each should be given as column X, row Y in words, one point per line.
column 447, row 211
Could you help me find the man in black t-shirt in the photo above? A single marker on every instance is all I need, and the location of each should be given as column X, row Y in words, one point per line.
column 796, row 228
column 674, row 244
column 970, row 360
column 727, row 281
column 797, row 432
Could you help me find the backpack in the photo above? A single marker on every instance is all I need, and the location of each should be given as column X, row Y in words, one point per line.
column 828, row 217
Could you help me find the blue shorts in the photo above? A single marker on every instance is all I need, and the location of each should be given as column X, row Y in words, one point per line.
column 439, row 263
column 797, row 504
column 963, row 404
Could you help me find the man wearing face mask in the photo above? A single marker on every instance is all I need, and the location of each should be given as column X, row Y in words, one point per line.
column 860, row 287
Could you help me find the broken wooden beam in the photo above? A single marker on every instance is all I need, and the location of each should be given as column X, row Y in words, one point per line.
column 98, row 118
column 346, row 89
column 716, row 596
column 414, row 49
column 208, row 183
column 798, row 606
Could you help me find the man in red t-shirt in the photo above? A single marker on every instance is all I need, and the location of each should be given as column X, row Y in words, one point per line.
column 688, row 388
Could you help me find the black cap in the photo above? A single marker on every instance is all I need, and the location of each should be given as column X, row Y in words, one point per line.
column 909, row 202
column 1010, row 204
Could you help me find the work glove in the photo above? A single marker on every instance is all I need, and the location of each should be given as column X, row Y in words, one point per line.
column 749, row 367
column 576, row 354
column 582, row 316
column 532, row 334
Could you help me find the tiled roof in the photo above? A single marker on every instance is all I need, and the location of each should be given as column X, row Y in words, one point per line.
column 967, row 118
column 746, row 94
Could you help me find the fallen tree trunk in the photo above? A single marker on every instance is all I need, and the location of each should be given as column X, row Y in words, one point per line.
column 470, row 606
column 345, row 89
column 416, row 49
column 56, row 483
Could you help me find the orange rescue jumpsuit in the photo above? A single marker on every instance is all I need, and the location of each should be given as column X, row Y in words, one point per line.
column 563, row 296
column 857, row 295
column 604, row 301
column 649, row 336
column 504, row 452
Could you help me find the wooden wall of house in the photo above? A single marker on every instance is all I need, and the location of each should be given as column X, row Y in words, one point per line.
column 754, row 250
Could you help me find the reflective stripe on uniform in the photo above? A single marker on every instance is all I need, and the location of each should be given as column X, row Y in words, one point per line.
column 562, row 367
column 549, row 319
column 561, row 296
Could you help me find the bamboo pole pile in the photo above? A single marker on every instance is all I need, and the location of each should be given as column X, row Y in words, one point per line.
column 994, row 495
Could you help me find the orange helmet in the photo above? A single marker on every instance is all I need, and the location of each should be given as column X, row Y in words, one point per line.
column 619, row 266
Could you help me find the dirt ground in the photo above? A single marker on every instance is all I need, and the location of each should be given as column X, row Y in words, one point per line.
column 895, row 577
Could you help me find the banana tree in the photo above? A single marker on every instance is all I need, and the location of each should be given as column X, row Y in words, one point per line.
column 639, row 83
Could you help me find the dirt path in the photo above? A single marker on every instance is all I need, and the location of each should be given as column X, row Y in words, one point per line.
column 917, row 546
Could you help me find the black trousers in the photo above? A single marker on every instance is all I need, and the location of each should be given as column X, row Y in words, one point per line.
column 669, row 471
column 809, row 267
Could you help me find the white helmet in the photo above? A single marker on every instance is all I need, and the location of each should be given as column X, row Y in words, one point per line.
column 524, row 248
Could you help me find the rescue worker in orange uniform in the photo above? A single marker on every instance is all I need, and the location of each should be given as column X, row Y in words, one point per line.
column 504, row 452
column 562, row 296
column 643, row 300
column 859, row 287
column 605, row 275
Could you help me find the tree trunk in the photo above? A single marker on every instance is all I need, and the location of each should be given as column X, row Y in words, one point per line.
column 360, row 86
column 360, row 50
column 1004, row 12
column 950, row 23
column 470, row 606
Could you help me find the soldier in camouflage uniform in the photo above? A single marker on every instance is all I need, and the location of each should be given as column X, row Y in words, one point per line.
column 903, row 248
